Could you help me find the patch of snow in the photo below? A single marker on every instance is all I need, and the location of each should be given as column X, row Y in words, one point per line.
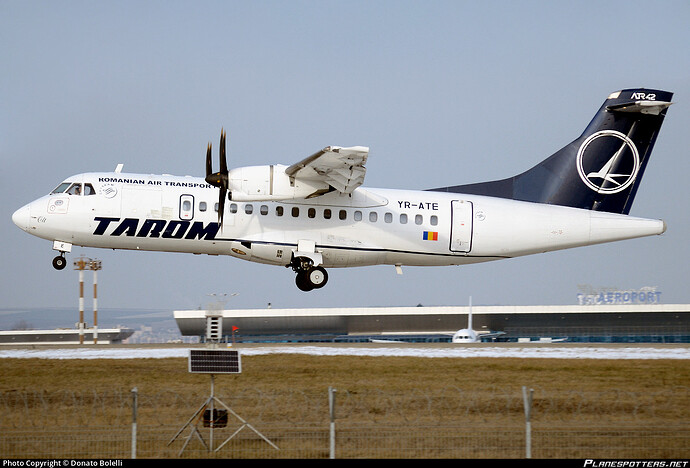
column 547, row 352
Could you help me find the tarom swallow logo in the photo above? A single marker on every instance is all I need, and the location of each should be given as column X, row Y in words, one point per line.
column 108, row 190
column 622, row 161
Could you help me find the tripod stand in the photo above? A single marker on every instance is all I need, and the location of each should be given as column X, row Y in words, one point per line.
column 210, row 405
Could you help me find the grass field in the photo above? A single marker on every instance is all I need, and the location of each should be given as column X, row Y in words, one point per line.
column 280, row 371
column 306, row 373
column 280, row 388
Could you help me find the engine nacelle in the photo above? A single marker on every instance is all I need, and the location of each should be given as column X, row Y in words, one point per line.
column 270, row 183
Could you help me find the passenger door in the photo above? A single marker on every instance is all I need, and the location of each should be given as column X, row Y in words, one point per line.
column 461, row 226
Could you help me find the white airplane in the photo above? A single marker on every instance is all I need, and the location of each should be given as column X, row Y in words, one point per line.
column 315, row 214
column 466, row 335
column 469, row 335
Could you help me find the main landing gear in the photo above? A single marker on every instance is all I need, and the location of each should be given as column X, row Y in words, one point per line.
column 308, row 276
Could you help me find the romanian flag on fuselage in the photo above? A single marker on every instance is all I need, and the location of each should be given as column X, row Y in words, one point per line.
column 430, row 235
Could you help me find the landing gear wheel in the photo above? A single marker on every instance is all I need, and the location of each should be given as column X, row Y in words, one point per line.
column 318, row 277
column 59, row 262
column 313, row 278
column 302, row 281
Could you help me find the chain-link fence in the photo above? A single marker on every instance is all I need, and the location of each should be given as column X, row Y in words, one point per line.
column 447, row 423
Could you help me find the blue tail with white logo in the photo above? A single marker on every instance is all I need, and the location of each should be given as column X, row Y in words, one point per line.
column 602, row 169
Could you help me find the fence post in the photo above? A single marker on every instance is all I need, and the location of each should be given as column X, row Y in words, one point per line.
column 528, row 420
column 331, row 407
column 134, row 422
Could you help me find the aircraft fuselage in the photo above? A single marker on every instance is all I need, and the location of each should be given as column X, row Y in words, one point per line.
column 367, row 227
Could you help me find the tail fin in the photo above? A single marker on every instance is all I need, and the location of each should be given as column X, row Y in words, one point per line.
column 602, row 169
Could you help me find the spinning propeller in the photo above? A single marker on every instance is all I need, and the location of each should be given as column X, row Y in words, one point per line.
column 218, row 179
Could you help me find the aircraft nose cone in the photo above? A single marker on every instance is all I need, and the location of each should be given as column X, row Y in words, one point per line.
column 22, row 217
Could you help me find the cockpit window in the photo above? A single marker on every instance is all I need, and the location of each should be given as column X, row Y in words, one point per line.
column 61, row 188
column 75, row 189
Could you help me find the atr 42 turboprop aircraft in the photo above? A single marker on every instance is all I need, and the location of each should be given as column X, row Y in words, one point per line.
column 315, row 214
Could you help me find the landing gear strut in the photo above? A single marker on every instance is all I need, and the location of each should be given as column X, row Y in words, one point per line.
column 60, row 262
column 308, row 276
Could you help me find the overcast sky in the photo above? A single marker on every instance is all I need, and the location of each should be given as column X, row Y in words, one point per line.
column 443, row 93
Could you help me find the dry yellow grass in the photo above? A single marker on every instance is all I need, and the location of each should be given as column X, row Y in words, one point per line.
column 286, row 373
column 280, row 371
column 379, row 393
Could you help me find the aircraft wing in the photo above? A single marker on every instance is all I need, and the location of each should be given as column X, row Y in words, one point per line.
column 341, row 168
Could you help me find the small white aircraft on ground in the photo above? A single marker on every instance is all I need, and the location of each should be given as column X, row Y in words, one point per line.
column 469, row 335
column 315, row 214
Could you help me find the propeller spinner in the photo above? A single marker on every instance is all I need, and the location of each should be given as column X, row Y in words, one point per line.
column 218, row 179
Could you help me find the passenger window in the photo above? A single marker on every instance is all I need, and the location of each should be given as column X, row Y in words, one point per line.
column 186, row 205
column 418, row 219
column 342, row 214
column 311, row 213
column 279, row 211
column 215, row 207
column 263, row 210
column 327, row 213
column 295, row 211
column 233, row 208
column 403, row 218
column 388, row 217
column 358, row 215
column 249, row 208
column 202, row 206
column 434, row 220
column 373, row 216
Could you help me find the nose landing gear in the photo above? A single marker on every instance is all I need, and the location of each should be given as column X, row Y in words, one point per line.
column 60, row 262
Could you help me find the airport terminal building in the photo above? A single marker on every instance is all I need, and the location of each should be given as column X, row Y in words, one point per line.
column 658, row 323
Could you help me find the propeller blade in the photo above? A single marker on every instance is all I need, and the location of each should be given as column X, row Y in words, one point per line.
column 218, row 179
column 223, row 161
column 221, row 206
column 209, row 164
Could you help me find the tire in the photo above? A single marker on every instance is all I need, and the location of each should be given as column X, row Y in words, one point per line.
column 318, row 277
column 59, row 262
column 302, row 282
